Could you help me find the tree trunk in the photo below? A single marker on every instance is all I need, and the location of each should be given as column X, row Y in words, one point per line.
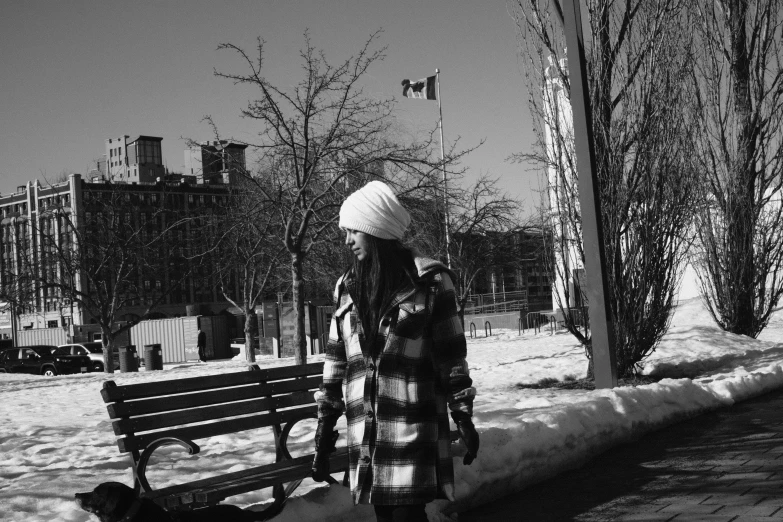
column 300, row 344
column 740, row 204
column 107, row 341
column 251, row 330
column 590, row 367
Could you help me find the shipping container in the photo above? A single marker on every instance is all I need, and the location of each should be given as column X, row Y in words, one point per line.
column 176, row 337
column 53, row 336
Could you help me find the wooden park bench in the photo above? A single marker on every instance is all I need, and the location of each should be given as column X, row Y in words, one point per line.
column 150, row 415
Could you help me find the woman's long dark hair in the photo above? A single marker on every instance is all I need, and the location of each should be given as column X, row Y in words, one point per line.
column 385, row 271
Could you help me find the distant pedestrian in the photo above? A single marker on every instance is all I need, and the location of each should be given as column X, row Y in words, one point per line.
column 397, row 344
column 201, row 342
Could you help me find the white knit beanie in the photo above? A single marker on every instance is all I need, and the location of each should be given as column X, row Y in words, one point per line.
column 375, row 210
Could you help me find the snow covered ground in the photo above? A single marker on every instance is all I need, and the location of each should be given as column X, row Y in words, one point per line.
column 56, row 439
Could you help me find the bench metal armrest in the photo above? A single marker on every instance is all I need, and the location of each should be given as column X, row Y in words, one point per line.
column 282, row 437
column 281, row 492
column 141, row 466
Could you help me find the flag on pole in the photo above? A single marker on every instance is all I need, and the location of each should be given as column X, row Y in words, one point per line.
column 423, row 89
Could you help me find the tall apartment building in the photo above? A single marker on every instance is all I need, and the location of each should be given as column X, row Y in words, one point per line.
column 215, row 162
column 34, row 214
column 134, row 160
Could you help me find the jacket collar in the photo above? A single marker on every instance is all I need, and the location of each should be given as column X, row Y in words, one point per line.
column 425, row 267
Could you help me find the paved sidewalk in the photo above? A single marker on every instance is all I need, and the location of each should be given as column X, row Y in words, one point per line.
column 723, row 466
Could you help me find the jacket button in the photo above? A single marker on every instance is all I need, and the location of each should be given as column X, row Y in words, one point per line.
column 366, row 459
column 369, row 414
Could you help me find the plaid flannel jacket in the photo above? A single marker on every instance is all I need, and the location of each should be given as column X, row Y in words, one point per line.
column 396, row 402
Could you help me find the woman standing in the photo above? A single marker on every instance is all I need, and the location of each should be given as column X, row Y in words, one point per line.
column 397, row 345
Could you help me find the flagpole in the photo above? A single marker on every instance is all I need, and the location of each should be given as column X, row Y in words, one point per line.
column 443, row 165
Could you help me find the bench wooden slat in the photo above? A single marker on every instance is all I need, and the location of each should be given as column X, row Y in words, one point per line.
column 113, row 393
column 192, row 400
column 213, row 489
column 213, row 429
column 195, row 415
column 209, row 406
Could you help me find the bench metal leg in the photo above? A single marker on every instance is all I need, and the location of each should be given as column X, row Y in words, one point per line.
column 281, row 492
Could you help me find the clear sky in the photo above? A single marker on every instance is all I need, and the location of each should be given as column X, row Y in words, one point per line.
column 76, row 73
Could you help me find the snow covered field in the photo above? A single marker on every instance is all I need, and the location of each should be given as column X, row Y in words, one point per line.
column 56, row 439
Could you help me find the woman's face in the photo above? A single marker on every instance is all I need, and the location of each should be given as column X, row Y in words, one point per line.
column 358, row 242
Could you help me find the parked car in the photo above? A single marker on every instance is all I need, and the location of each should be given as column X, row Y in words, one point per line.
column 238, row 346
column 39, row 360
column 93, row 350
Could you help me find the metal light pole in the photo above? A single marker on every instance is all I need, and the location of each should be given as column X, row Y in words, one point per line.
column 443, row 160
column 604, row 359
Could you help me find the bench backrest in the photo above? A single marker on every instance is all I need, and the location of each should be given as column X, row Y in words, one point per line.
column 199, row 407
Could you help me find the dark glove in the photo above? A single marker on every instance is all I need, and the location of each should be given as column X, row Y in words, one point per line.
column 325, row 438
column 468, row 434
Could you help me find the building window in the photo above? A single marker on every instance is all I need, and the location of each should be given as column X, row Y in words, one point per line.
column 51, row 324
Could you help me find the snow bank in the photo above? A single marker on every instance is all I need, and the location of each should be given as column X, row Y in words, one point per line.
column 55, row 437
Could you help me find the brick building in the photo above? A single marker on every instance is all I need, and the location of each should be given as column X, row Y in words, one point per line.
column 525, row 274
column 215, row 162
column 34, row 219
column 133, row 160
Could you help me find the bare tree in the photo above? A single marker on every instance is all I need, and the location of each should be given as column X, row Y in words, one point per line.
column 248, row 257
column 318, row 140
column 17, row 288
column 639, row 61
column 484, row 226
column 484, row 223
column 739, row 90
column 327, row 261
column 114, row 256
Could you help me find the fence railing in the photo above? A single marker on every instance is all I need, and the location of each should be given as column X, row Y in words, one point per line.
column 497, row 302
column 524, row 321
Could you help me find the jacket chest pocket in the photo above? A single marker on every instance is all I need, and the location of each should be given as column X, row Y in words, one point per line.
column 348, row 321
column 343, row 316
column 411, row 320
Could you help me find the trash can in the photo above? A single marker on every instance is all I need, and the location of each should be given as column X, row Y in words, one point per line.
column 153, row 357
column 128, row 359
